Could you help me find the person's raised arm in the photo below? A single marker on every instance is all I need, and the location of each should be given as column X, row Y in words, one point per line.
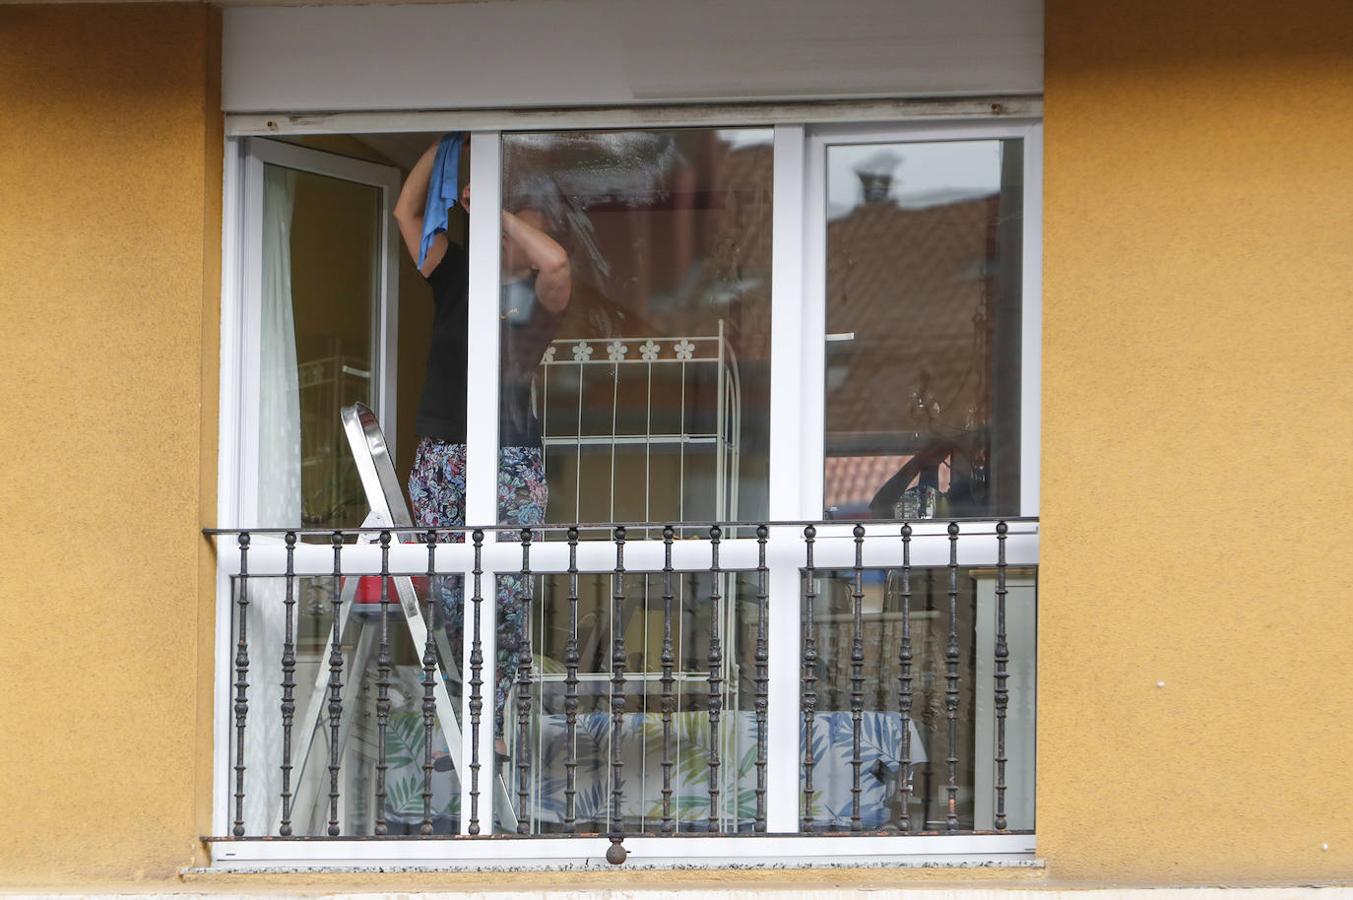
column 554, row 277
column 413, row 198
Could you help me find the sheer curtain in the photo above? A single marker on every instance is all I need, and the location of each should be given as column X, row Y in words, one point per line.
column 278, row 503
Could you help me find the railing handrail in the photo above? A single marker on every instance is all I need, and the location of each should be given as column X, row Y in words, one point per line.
column 611, row 526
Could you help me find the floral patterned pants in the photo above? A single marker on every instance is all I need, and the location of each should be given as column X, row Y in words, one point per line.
column 437, row 490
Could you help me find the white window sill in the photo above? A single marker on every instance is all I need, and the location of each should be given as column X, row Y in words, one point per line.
column 589, row 853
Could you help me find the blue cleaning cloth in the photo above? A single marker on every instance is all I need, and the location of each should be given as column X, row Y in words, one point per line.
column 443, row 190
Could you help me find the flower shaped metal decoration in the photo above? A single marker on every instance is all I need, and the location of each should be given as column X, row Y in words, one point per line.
column 648, row 351
column 684, row 349
column 616, row 350
column 582, row 352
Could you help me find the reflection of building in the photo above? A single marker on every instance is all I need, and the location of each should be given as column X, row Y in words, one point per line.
column 933, row 275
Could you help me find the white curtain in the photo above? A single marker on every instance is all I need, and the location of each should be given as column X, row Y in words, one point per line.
column 278, row 500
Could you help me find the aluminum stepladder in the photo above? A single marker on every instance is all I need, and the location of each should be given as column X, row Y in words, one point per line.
column 388, row 509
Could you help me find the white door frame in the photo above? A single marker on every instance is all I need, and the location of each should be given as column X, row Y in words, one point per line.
column 241, row 297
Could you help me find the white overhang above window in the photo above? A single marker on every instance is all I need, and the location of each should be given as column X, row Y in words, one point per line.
column 542, row 53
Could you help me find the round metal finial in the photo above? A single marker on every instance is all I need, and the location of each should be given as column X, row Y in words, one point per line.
column 761, row 532
column 1002, row 528
column 953, row 528
column 810, row 532
column 616, row 853
column 906, row 530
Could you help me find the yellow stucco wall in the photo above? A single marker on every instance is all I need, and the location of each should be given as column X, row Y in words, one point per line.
column 1199, row 203
column 110, row 161
column 1198, row 366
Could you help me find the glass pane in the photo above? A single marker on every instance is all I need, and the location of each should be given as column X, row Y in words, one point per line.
column 923, row 329
column 319, row 302
column 635, row 344
column 641, row 735
column 883, row 794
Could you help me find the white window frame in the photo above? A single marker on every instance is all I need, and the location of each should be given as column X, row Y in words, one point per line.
column 796, row 402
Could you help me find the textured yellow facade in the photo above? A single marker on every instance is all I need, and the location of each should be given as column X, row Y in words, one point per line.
column 1197, row 388
column 1198, row 378
column 110, row 225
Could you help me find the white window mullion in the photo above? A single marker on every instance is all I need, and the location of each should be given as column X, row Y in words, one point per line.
column 813, row 322
column 1031, row 321
column 786, row 498
column 481, row 452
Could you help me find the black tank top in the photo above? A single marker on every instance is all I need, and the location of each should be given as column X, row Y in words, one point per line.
column 526, row 329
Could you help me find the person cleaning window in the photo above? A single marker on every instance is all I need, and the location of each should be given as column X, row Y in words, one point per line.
column 536, row 287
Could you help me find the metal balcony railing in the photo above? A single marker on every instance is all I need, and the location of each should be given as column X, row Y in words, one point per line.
column 625, row 680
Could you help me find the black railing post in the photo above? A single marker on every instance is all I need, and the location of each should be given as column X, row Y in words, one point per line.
column 241, row 681
column 668, row 681
column 715, row 679
column 951, row 690
column 762, row 674
column 476, row 679
column 1002, row 662
column 288, row 682
column 904, row 657
column 571, row 688
column 809, row 698
column 524, row 692
column 429, row 682
column 383, row 668
column 335, row 683
column 856, row 679
column 616, row 854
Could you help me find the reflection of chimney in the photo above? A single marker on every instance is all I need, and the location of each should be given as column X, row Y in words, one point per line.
column 877, row 186
column 876, row 176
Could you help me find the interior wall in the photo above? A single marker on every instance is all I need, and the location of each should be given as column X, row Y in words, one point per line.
column 415, row 298
column 110, row 155
column 1195, row 715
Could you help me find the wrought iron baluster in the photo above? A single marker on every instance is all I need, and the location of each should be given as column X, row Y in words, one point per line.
column 335, row 683
column 668, row 681
column 809, row 695
column 715, row 679
column 429, row 682
column 288, row 682
column 857, row 679
column 904, row 657
column 383, row 667
column 524, row 693
column 615, row 854
column 1002, row 661
column 951, row 676
column 762, row 674
column 571, row 688
column 476, row 679
column 241, row 681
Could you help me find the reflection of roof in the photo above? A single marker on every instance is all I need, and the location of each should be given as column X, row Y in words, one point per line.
column 912, row 286
column 852, row 480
